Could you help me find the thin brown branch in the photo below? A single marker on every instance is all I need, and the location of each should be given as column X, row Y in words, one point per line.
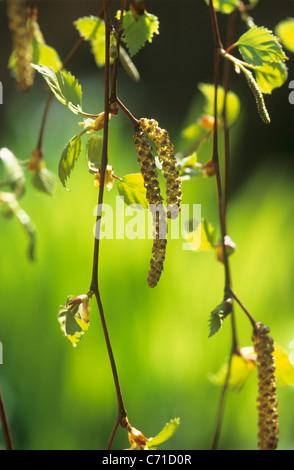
column 5, row 425
column 94, row 281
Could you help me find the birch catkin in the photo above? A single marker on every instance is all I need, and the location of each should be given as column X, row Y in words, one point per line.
column 154, row 198
column 22, row 51
column 268, row 424
column 168, row 161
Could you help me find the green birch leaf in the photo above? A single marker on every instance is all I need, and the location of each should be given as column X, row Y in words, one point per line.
column 92, row 29
column 133, row 190
column 94, row 152
column 271, row 76
column 189, row 167
column 71, row 321
column 69, row 157
column 225, row 6
column 285, row 31
column 216, row 319
column 284, row 369
column 165, row 434
column 259, row 46
column 64, row 85
column 138, row 29
column 11, row 172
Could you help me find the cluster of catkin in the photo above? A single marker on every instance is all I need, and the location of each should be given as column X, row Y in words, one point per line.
column 17, row 20
column 149, row 130
column 268, row 425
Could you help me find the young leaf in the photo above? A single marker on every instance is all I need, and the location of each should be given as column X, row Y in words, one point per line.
column 225, row 6
column 202, row 238
column 13, row 175
column 92, row 29
column 271, row 76
column 64, row 86
column 216, row 319
column 132, row 189
column 285, row 32
column 138, row 29
column 72, row 324
column 259, row 46
column 241, row 367
column 165, row 434
column 94, row 152
column 69, row 157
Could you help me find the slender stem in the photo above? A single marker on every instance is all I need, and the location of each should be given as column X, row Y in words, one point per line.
column 253, row 322
column 222, row 201
column 113, row 96
column 94, row 281
column 5, row 425
column 128, row 113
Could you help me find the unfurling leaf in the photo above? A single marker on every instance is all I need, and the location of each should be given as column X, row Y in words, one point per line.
column 69, row 157
column 44, row 180
column 74, row 318
column 137, row 29
column 94, row 152
column 64, row 85
column 165, row 434
column 133, row 190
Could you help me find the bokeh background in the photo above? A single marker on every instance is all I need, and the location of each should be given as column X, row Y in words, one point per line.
column 59, row 397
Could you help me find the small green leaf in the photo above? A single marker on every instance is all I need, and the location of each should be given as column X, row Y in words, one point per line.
column 133, row 190
column 241, row 367
column 71, row 321
column 11, row 172
column 64, row 86
column 69, row 157
column 285, row 32
column 44, row 180
column 216, row 319
column 271, row 76
column 94, row 152
column 225, row 6
column 138, row 29
column 259, row 46
column 165, row 434
column 92, row 29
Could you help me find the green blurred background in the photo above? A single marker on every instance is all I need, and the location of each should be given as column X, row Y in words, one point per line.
column 59, row 397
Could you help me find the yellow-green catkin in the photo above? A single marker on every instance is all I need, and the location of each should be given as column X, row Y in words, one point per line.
column 168, row 162
column 154, row 198
column 22, row 50
column 261, row 108
column 268, row 423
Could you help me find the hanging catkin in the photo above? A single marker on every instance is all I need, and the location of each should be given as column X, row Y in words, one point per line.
column 168, row 161
column 268, row 424
column 261, row 108
column 154, row 198
column 22, row 51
